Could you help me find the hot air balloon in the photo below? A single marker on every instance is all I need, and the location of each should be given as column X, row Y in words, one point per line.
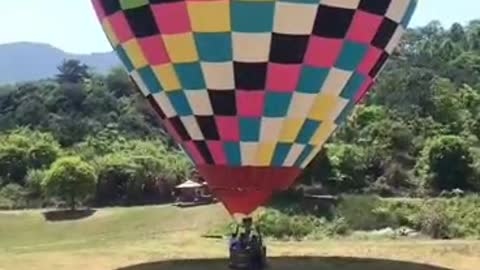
column 252, row 89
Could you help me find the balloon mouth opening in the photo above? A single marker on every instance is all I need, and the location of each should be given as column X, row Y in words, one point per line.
column 242, row 190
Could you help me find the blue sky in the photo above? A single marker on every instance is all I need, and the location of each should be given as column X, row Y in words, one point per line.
column 72, row 26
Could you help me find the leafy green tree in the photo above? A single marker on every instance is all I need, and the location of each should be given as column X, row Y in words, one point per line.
column 72, row 71
column 349, row 167
column 447, row 164
column 13, row 163
column 71, row 179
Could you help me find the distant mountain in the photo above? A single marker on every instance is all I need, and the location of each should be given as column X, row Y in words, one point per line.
column 26, row 61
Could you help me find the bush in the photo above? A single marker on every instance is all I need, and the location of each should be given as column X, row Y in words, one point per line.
column 447, row 164
column 13, row 163
column 451, row 218
column 22, row 150
column 279, row 225
column 71, row 179
column 12, row 196
column 359, row 211
column 435, row 223
column 349, row 168
column 34, row 183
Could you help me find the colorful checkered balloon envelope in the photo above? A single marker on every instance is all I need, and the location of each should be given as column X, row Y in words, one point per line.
column 251, row 89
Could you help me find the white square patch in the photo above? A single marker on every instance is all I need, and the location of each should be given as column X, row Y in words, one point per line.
column 294, row 19
column 192, row 127
column 351, row 4
column 294, row 154
column 270, row 129
column 248, row 152
column 336, row 80
column 251, row 47
column 164, row 102
column 199, row 102
column 397, row 9
column 300, row 105
column 218, row 76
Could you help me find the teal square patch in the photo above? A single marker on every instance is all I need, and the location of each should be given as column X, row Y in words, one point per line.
column 353, row 85
column 190, row 76
column 254, row 17
column 312, row 79
column 150, row 80
column 249, row 129
column 351, row 56
column 214, row 47
column 180, row 103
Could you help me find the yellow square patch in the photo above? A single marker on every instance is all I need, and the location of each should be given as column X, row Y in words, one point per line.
column 134, row 52
column 323, row 133
column 167, row 77
column 209, row 16
column 112, row 37
column 323, row 107
column 290, row 129
column 265, row 153
column 181, row 48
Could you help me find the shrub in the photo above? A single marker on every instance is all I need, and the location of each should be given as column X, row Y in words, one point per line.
column 447, row 164
column 12, row 196
column 279, row 225
column 435, row 222
column 358, row 211
column 34, row 181
column 71, row 179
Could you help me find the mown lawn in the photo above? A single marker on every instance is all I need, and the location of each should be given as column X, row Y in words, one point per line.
column 164, row 237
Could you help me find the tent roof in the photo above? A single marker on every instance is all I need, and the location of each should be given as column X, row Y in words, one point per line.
column 189, row 184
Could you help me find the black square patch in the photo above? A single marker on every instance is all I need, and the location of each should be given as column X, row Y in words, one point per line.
column 203, row 149
column 332, row 22
column 378, row 66
column 288, row 49
column 164, row 1
column 179, row 128
column 156, row 107
column 250, row 76
column 208, row 127
column 141, row 21
column 379, row 7
column 110, row 6
column 223, row 102
column 385, row 33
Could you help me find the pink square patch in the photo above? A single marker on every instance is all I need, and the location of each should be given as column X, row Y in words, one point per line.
column 172, row 18
column 364, row 27
column 370, row 60
column 323, row 52
column 171, row 130
column 283, row 77
column 121, row 27
column 154, row 50
column 218, row 154
column 192, row 149
column 97, row 6
column 367, row 84
column 250, row 103
column 228, row 128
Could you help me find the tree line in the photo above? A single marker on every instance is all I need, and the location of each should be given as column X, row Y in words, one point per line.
column 94, row 140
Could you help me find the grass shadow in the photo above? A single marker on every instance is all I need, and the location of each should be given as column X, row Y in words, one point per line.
column 66, row 215
column 288, row 263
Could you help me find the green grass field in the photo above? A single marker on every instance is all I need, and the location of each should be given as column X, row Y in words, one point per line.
column 165, row 237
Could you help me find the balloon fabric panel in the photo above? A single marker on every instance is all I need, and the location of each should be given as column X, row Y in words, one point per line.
column 243, row 65
column 241, row 83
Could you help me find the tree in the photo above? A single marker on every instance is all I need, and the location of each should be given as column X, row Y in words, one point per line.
column 71, row 179
column 72, row 71
column 447, row 164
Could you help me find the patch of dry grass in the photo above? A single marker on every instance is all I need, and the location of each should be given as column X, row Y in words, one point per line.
column 169, row 238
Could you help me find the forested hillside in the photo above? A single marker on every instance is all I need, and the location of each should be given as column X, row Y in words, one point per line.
column 416, row 134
